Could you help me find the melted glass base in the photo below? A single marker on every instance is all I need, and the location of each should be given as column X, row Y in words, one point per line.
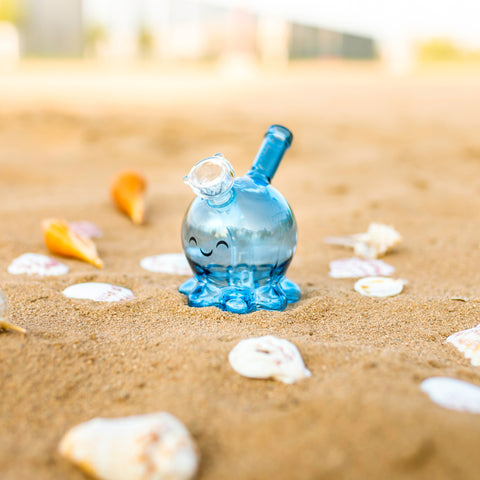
column 202, row 292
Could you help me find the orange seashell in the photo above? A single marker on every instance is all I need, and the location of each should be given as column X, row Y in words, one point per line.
column 127, row 190
column 9, row 326
column 62, row 240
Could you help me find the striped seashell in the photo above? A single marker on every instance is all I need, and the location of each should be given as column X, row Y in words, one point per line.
column 358, row 267
column 99, row 292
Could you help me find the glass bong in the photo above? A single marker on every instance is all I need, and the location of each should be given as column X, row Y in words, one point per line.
column 239, row 234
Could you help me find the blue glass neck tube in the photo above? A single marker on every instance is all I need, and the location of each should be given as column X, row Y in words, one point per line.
column 276, row 142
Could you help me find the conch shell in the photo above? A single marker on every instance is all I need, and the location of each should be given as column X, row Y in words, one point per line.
column 127, row 191
column 375, row 242
column 156, row 446
column 4, row 324
column 62, row 240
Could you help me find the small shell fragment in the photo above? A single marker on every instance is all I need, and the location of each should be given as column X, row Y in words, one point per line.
column 375, row 242
column 5, row 324
column 86, row 229
column 452, row 394
column 127, row 192
column 36, row 264
column 379, row 286
column 173, row 263
column 459, row 299
column 468, row 343
column 156, row 446
column 268, row 357
column 99, row 292
column 358, row 267
column 62, row 240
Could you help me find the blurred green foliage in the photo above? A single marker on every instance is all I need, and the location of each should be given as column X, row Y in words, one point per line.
column 444, row 50
column 10, row 11
column 95, row 35
column 145, row 41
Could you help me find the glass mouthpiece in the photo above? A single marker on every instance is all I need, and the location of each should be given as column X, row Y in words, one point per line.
column 211, row 178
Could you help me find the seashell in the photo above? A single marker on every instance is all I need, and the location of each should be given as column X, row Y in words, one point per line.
column 99, row 292
column 452, row 394
column 379, row 286
column 459, row 299
column 357, row 267
column 375, row 242
column 127, row 191
column 173, row 263
column 62, row 240
column 5, row 324
column 36, row 264
column 86, row 229
column 156, row 446
column 268, row 357
column 467, row 342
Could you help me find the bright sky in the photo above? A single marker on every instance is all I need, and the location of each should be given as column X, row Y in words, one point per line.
column 382, row 19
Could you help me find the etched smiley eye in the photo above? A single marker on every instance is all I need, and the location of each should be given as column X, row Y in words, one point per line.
column 222, row 242
column 192, row 240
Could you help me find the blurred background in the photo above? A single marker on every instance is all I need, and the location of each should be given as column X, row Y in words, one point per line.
column 241, row 34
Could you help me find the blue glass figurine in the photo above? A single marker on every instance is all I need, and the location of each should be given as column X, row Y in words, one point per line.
column 239, row 234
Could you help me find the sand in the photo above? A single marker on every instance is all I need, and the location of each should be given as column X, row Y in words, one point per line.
column 367, row 147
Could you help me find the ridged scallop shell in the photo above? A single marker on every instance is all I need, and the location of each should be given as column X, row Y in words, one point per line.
column 99, row 292
column 173, row 263
column 268, row 357
column 375, row 242
column 379, row 286
column 143, row 447
column 452, row 394
column 468, row 343
column 357, row 267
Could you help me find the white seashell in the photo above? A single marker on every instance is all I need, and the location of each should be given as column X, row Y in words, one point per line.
column 100, row 292
column 268, row 357
column 467, row 342
column 36, row 264
column 173, row 263
column 453, row 394
column 156, row 446
column 358, row 267
column 379, row 286
column 86, row 229
column 375, row 242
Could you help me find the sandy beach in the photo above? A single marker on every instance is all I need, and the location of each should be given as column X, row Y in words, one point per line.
column 367, row 147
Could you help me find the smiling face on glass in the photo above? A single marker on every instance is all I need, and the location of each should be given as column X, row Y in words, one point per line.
column 192, row 242
column 207, row 249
